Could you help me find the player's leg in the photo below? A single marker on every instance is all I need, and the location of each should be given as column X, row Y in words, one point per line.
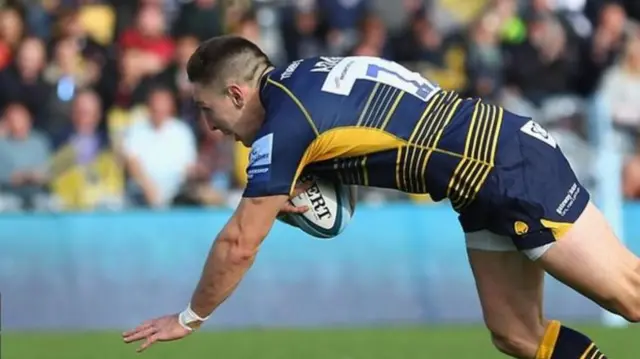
column 510, row 287
column 590, row 258
column 631, row 178
column 546, row 207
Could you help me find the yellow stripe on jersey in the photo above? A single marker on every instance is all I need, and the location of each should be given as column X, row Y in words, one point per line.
column 338, row 142
column 596, row 354
column 434, row 119
column 366, row 106
column 591, row 350
column 297, row 102
column 365, row 175
column 377, row 103
column 436, row 139
column 383, row 106
column 398, row 160
column 392, row 110
column 486, row 152
column 411, row 151
column 462, row 164
column 353, row 169
column 479, row 155
column 492, row 156
column 473, row 167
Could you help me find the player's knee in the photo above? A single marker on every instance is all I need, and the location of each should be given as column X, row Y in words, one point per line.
column 514, row 345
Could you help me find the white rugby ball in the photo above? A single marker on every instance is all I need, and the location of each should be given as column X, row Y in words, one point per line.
column 331, row 207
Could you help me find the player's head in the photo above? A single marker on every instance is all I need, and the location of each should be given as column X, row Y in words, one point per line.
column 226, row 72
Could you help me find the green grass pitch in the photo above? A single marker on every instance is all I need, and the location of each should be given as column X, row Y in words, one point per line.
column 451, row 342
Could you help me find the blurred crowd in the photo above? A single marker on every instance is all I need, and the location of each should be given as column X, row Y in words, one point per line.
column 96, row 107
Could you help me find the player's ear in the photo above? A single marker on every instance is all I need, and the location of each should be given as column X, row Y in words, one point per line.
column 236, row 95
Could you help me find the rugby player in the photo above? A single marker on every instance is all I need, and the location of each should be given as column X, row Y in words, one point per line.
column 371, row 122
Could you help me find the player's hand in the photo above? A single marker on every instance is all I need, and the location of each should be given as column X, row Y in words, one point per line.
column 288, row 207
column 162, row 329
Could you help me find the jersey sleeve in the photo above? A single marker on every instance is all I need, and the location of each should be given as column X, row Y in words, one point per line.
column 279, row 153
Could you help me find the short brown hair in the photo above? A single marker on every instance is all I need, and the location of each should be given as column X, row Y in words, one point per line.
column 224, row 58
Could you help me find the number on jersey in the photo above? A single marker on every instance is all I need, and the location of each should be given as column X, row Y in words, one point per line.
column 344, row 74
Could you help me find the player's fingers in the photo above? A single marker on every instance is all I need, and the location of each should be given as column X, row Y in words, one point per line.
column 289, row 208
column 140, row 327
column 145, row 333
column 147, row 343
column 300, row 209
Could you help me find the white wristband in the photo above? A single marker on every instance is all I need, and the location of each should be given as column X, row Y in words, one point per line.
column 190, row 320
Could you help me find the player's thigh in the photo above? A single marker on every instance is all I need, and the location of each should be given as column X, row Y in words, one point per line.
column 510, row 287
column 591, row 259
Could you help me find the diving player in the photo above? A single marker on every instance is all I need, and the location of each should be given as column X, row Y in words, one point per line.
column 372, row 122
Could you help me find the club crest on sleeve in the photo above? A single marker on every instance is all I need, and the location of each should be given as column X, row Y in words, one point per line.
column 260, row 159
column 534, row 130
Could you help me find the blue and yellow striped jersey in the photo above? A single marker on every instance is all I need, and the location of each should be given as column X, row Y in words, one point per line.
column 371, row 122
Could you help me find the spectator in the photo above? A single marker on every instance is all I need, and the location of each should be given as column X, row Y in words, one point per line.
column 199, row 18
column 11, row 33
column 24, row 156
column 70, row 26
column 303, row 35
column 420, row 41
column 130, row 87
column 563, row 117
column 208, row 179
column 621, row 88
column 373, row 41
column 40, row 16
column 159, row 150
column 98, row 20
column 175, row 76
column 439, row 57
column 66, row 74
column 343, row 21
column 235, row 13
column 82, row 133
column 397, row 14
column 149, row 38
column 247, row 27
column 513, row 30
column 484, row 58
column 602, row 49
column 543, row 65
column 23, row 82
column 86, row 173
column 344, row 15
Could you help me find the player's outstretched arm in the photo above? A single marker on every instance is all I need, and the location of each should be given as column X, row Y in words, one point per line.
column 234, row 251
column 231, row 255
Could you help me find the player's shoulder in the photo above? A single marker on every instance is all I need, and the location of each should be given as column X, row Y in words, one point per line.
column 301, row 68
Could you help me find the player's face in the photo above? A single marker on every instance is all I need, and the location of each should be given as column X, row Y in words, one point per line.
column 218, row 110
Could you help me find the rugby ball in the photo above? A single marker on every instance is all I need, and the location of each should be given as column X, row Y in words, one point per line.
column 331, row 207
